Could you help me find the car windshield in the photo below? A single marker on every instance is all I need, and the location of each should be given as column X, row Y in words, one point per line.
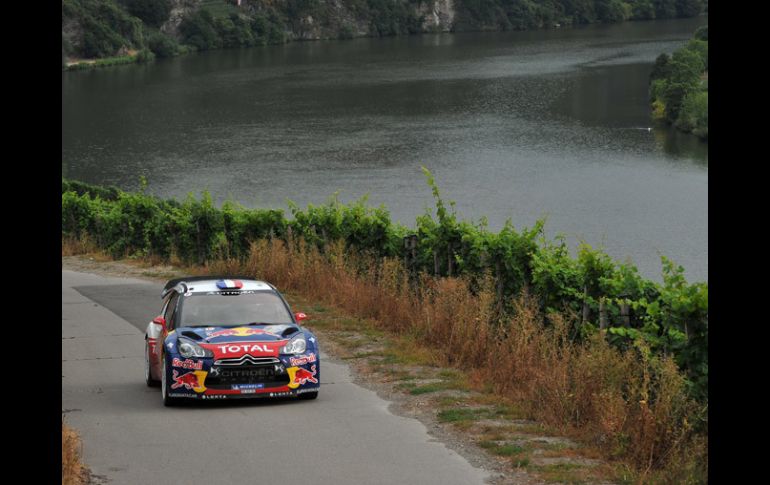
column 216, row 310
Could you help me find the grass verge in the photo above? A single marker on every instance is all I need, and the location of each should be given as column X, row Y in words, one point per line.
column 631, row 406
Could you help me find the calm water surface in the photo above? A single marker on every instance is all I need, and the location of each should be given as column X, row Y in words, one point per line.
column 513, row 125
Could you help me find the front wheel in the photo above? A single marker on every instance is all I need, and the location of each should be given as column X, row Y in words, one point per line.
column 167, row 400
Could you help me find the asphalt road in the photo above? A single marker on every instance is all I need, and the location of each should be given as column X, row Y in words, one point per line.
column 346, row 436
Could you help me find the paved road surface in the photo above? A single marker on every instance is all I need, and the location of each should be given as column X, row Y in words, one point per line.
column 346, row 436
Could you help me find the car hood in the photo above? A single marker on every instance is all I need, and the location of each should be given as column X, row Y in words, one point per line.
column 238, row 342
column 252, row 333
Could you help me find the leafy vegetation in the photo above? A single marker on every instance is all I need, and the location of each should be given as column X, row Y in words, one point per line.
column 107, row 28
column 670, row 318
column 152, row 12
column 529, row 14
column 679, row 86
column 637, row 390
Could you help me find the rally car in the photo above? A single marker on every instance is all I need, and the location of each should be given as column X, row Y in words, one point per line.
column 221, row 338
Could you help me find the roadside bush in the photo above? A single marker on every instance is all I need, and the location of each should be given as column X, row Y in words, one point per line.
column 671, row 319
column 94, row 191
column 632, row 403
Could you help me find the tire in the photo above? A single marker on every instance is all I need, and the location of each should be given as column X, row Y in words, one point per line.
column 147, row 372
column 308, row 395
column 167, row 400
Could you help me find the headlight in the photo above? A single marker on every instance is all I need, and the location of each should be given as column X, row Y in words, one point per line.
column 295, row 346
column 188, row 348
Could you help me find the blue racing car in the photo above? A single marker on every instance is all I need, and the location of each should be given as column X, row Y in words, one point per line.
column 220, row 338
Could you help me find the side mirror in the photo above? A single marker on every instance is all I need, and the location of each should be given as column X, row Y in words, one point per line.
column 299, row 316
column 159, row 321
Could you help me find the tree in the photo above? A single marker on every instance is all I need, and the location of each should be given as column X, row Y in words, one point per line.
column 610, row 10
column 152, row 12
column 702, row 33
column 702, row 49
column 664, row 9
column 643, row 10
column 163, row 46
column 661, row 69
column 198, row 30
column 688, row 8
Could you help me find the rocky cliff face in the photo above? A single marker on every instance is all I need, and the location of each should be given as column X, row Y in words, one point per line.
column 329, row 19
column 179, row 9
column 439, row 16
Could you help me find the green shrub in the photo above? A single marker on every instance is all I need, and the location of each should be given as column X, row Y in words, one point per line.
column 198, row 30
column 162, row 45
column 99, row 40
column 152, row 12
column 688, row 8
column 145, row 55
column 345, row 33
column 670, row 318
column 693, row 116
column 106, row 27
column 702, row 33
column 643, row 10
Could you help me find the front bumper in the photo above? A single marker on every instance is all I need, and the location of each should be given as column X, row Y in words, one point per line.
column 245, row 377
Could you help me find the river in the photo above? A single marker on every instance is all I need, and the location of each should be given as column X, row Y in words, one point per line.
column 514, row 125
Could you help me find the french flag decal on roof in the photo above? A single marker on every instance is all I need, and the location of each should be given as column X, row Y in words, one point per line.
column 229, row 284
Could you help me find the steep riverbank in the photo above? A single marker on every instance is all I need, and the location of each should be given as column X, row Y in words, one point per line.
column 102, row 29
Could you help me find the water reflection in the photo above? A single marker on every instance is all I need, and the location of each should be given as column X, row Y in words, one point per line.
column 515, row 125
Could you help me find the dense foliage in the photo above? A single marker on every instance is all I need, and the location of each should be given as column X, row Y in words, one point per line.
column 671, row 318
column 204, row 31
column 528, row 14
column 151, row 12
column 679, row 86
column 102, row 28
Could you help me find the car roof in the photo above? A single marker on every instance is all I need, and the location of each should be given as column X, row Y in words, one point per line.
column 209, row 283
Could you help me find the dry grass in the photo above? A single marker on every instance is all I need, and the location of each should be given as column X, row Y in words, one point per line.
column 631, row 406
column 71, row 246
column 72, row 469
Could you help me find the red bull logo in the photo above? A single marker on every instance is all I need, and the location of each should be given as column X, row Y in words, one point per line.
column 187, row 364
column 240, row 332
column 191, row 380
column 304, row 360
column 300, row 376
